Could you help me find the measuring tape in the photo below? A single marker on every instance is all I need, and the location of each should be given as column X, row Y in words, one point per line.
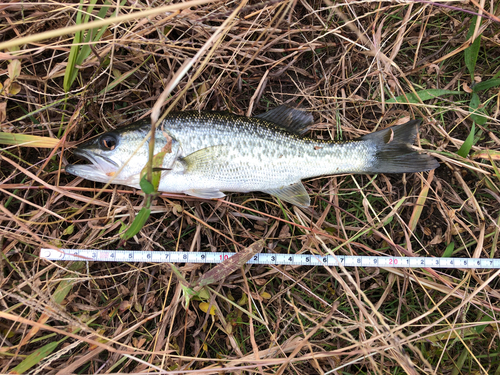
column 267, row 259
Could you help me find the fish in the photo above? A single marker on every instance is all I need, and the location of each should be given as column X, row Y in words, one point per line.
column 212, row 153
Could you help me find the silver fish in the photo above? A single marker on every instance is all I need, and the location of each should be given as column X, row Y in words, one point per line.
column 214, row 152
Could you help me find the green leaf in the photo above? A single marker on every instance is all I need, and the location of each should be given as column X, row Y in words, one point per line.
column 69, row 230
column 157, row 164
column 449, row 250
column 467, row 145
column 471, row 52
column 137, row 224
column 146, row 186
column 62, row 290
column 123, row 226
column 486, row 85
column 35, row 358
column 487, row 320
column 476, row 111
column 14, row 69
column 422, row 96
column 66, row 285
column 157, row 169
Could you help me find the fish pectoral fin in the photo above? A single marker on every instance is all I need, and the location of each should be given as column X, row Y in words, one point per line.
column 295, row 194
column 205, row 193
column 291, row 119
column 205, row 156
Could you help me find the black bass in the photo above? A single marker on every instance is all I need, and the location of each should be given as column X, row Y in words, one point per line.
column 212, row 153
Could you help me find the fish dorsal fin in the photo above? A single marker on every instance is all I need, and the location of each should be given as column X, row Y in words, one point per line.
column 295, row 194
column 291, row 119
column 204, row 157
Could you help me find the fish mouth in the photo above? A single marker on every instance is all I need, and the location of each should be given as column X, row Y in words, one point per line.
column 101, row 169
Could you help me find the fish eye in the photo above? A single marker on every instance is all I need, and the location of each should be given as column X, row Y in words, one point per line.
column 108, row 142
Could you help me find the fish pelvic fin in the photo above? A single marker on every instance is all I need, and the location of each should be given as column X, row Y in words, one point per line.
column 295, row 194
column 395, row 153
column 291, row 119
column 205, row 193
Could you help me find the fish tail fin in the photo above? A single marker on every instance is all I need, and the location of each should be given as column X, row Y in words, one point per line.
column 395, row 153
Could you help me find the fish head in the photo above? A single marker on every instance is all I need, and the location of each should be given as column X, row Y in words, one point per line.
column 117, row 156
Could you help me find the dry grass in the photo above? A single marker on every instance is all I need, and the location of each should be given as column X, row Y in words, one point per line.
column 344, row 61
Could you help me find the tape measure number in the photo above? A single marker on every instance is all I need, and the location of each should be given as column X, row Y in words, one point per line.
column 267, row 259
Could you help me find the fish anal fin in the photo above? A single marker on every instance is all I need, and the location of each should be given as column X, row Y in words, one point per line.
column 205, row 193
column 291, row 119
column 295, row 194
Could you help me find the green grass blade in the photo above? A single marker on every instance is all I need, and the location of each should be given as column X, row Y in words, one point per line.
column 92, row 35
column 467, row 145
column 486, row 85
column 137, row 224
column 70, row 72
column 123, row 77
column 26, row 140
column 486, row 319
column 40, row 109
column 422, row 96
column 476, row 111
column 419, row 206
column 78, row 52
column 471, row 53
column 449, row 250
column 460, row 362
column 486, row 154
column 65, row 285
column 35, row 357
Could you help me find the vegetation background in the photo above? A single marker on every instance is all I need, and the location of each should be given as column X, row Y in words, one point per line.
column 70, row 70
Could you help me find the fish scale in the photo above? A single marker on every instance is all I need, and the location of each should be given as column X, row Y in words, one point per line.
column 215, row 152
column 251, row 145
